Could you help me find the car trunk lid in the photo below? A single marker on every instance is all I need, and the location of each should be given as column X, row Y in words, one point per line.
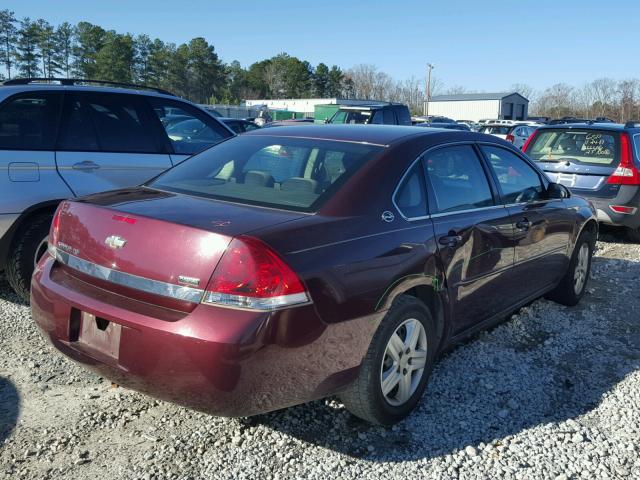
column 581, row 159
column 155, row 246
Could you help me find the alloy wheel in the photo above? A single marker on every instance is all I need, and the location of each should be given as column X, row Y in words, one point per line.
column 403, row 363
column 580, row 273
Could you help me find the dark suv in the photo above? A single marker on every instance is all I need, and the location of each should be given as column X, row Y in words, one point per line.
column 67, row 138
column 598, row 161
column 375, row 113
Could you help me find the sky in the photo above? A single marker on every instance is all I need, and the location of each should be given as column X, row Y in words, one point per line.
column 480, row 45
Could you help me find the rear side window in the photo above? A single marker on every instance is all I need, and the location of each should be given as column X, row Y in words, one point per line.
column 404, row 117
column 107, row 123
column 389, row 118
column 188, row 131
column 410, row 198
column 518, row 181
column 29, row 122
column 290, row 173
column 457, row 179
column 588, row 147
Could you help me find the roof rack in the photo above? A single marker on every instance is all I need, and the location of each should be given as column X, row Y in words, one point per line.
column 82, row 81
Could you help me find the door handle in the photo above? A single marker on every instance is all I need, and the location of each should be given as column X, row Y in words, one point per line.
column 524, row 224
column 85, row 165
column 450, row 240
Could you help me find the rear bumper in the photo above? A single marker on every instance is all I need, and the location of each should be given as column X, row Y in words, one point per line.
column 628, row 196
column 222, row 361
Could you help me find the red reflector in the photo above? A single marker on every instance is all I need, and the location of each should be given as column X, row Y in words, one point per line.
column 510, row 138
column 623, row 209
column 251, row 275
column 122, row 218
column 626, row 173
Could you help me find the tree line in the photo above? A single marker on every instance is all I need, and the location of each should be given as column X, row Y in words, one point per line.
column 35, row 48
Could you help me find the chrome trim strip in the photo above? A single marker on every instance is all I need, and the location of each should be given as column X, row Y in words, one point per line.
column 178, row 292
column 468, row 210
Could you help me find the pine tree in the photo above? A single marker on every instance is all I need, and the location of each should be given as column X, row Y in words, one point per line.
column 47, row 43
column 65, row 35
column 8, row 37
column 27, row 55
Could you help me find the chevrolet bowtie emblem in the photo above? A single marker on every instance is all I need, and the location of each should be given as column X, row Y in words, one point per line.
column 114, row 241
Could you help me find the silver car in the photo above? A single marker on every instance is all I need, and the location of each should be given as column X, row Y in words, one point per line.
column 73, row 138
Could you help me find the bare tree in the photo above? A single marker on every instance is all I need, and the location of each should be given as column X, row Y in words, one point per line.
column 527, row 91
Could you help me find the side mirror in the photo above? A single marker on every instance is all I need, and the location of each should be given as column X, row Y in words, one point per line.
column 326, row 120
column 555, row 190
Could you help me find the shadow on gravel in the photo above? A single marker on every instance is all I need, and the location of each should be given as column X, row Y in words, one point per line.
column 548, row 369
column 9, row 408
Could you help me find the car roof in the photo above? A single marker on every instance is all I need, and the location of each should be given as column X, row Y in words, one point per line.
column 617, row 127
column 382, row 135
column 8, row 90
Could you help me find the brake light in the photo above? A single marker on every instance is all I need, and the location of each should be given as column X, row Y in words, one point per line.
column 54, row 232
column 526, row 144
column 251, row 275
column 623, row 209
column 626, row 173
column 510, row 138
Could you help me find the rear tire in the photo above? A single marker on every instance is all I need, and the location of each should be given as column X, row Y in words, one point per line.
column 28, row 246
column 574, row 283
column 404, row 380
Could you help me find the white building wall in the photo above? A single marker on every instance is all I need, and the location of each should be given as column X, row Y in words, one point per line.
column 473, row 110
column 304, row 105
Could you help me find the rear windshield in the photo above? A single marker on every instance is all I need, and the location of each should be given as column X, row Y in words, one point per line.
column 496, row 129
column 291, row 173
column 589, row 147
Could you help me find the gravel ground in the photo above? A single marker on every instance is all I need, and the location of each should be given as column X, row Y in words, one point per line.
column 552, row 393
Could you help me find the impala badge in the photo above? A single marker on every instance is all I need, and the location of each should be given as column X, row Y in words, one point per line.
column 114, row 241
column 189, row 280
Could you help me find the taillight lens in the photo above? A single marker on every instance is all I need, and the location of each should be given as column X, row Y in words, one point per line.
column 510, row 138
column 623, row 209
column 251, row 275
column 528, row 142
column 626, row 173
column 54, row 232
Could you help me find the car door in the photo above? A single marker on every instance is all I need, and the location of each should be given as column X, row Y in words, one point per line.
column 108, row 141
column 474, row 234
column 195, row 131
column 543, row 226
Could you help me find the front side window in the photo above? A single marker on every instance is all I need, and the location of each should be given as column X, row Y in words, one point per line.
column 351, row 116
column 457, row 179
column 187, row 132
column 410, row 198
column 29, row 121
column 290, row 173
column 518, row 181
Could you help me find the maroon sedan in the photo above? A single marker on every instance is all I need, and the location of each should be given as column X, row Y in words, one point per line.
column 287, row 265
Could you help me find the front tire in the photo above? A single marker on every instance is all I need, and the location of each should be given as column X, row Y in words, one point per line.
column 574, row 283
column 396, row 368
column 28, row 246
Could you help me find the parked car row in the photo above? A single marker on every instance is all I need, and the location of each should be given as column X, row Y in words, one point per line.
column 240, row 274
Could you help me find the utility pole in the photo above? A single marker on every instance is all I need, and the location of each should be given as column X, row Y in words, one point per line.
column 428, row 90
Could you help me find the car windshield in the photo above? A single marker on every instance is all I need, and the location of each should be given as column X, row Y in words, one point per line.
column 290, row 173
column 190, row 130
column 351, row 116
column 496, row 129
column 589, row 147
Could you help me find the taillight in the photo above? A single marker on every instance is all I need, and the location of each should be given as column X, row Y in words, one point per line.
column 54, row 232
column 626, row 173
column 526, row 144
column 251, row 275
column 510, row 138
column 623, row 209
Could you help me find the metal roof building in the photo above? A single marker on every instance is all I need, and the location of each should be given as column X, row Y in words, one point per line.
column 480, row 106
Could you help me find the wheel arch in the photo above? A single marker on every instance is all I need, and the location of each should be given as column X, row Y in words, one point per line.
column 48, row 207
